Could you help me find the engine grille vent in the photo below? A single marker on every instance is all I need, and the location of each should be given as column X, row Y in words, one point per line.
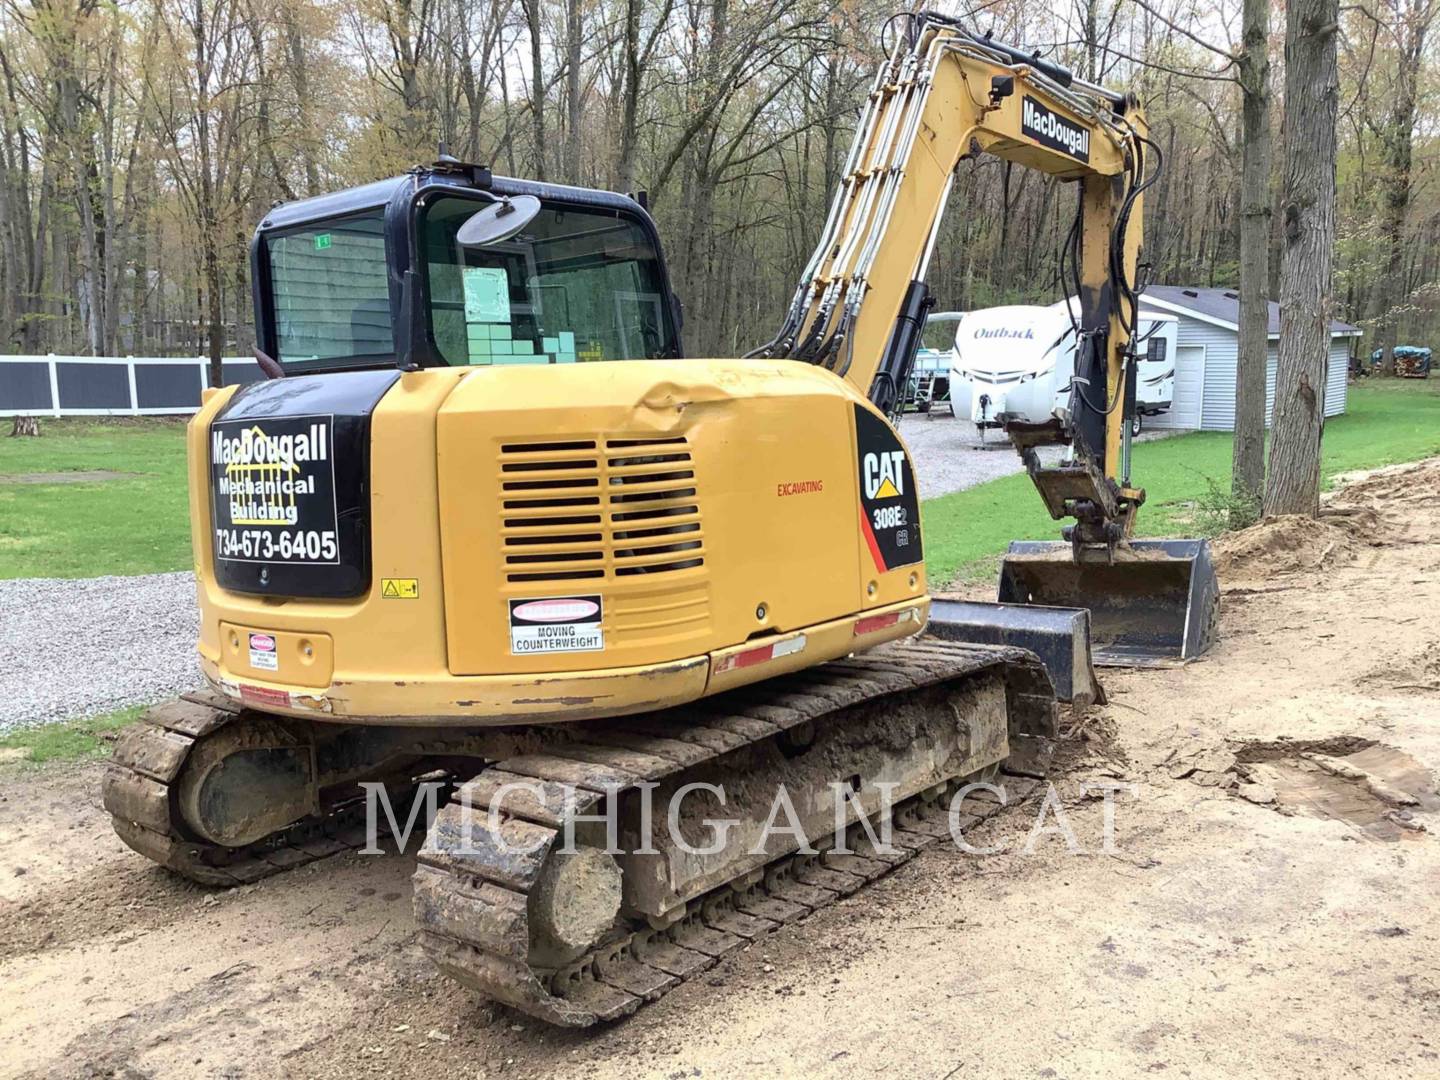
column 599, row 509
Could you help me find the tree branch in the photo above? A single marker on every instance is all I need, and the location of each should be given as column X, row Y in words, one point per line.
column 1226, row 53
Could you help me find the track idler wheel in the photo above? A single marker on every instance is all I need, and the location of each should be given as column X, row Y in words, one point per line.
column 246, row 781
column 574, row 902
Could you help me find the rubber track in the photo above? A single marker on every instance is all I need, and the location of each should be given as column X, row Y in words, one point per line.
column 137, row 791
column 472, row 911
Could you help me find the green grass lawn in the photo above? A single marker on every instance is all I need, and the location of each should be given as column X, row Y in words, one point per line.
column 67, row 741
column 137, row 524
column 1385, row 422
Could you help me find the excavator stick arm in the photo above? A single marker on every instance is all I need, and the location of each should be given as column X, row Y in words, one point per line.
column 944, row 95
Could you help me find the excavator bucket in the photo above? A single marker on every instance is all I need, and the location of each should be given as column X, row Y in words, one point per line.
column 1155, row 601
column 1060, row 637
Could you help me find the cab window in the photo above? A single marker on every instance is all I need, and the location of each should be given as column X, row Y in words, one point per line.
column 575, row 285
column 330, row 294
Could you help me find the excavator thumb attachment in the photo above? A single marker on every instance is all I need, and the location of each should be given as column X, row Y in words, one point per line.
column 1060, row 637
column 1152, row 601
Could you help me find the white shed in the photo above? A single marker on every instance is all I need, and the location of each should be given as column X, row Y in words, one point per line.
column 1207, row 343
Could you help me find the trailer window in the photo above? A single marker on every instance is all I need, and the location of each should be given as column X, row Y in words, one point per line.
column 578, row 284
column 330, row 294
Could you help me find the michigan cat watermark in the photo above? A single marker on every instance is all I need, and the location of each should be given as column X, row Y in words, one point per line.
column 587, row 815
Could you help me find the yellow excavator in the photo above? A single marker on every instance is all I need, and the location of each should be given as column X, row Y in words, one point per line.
column 484, row 531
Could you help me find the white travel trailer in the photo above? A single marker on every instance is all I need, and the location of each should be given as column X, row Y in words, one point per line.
column 1016, row 362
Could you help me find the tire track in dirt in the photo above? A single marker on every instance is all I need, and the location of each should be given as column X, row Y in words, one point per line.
column 123, row 966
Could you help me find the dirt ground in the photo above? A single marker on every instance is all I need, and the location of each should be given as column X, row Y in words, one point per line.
column 1223, row 936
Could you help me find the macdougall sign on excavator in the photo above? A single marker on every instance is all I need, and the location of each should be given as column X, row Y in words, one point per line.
column 274, row 487
column 1053, row 130
column 254, row 445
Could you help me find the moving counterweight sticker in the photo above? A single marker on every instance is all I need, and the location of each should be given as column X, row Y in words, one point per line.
column 273, row 490
column 889, row 503
column 556, row 624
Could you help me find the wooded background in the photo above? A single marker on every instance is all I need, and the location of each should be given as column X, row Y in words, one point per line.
column 142, row 140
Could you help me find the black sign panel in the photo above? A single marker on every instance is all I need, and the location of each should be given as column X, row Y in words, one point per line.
column 889, row 502
column 290, row 485
column 1053, row 130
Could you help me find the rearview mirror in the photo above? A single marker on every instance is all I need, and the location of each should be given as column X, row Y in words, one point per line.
column 499, row 221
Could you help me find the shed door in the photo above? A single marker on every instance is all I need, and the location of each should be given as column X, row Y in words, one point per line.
column 1189, row 390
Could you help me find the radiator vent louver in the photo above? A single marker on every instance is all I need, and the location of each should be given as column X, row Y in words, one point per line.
column 593, row 510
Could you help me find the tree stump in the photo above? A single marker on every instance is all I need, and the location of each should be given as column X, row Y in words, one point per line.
column 25, row 425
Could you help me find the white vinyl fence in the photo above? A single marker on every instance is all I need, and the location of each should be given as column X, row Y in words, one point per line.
column 112, row 385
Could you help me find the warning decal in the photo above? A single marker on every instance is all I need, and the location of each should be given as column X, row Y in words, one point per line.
column 889, row 502
column 400, row 588
column 556, row 624
column 262, row 653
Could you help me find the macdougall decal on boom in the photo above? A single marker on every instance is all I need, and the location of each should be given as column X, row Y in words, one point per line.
column 1053, row 130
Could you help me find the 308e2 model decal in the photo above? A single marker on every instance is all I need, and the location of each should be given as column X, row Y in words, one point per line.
column 889, row 503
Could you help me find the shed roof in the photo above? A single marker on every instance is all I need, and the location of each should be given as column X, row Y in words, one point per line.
column 1222, row 307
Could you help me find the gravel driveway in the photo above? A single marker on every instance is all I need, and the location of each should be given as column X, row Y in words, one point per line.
column 952, row 458
column 78, row 647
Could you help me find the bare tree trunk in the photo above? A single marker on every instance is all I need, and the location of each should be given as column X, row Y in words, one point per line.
column 537, row 84
column 1311, row 99
column 299, row 74
column 207, row 217
column 1397, row 155
column 573, row 31
column 630, row 97
column 1248, row 464
column 139, row 294
column 114, row 227
column 25, row 425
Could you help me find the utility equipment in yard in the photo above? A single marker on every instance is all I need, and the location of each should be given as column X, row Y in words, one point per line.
column 928, row 388
column 489, row 525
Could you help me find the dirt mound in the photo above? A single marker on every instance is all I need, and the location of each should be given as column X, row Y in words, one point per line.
column 1411, row 483
column 1418, row 669
column 1293, row 544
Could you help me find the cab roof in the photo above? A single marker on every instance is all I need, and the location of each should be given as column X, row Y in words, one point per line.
column 379, row 193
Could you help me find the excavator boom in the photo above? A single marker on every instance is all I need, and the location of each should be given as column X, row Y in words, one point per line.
column 944, row 95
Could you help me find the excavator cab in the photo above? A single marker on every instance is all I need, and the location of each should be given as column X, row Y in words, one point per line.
column 478, row 271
